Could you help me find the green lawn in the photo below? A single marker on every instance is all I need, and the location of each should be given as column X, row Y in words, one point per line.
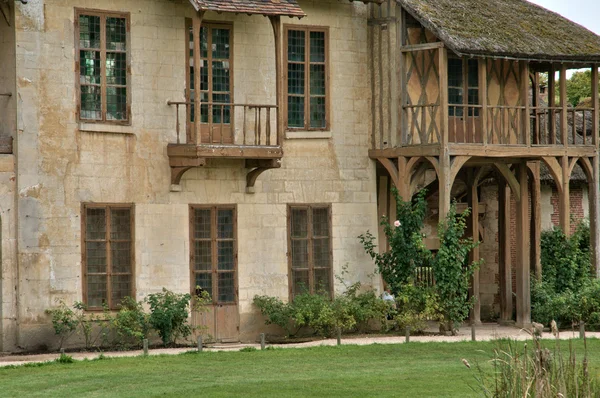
column 404, row 370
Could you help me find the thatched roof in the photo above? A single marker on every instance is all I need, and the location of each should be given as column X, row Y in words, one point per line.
column 288, row 8
column 505, row 28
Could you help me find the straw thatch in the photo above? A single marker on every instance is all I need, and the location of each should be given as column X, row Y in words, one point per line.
column 505, row 28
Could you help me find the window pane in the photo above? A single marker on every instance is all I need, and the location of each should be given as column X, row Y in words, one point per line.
column 299, row 253
column 120, row 224
column 296, row 111
column 116, row 103
column 295, row 78
column 226, row 284
column 455, row 73
column 220, row 76
column 299, row 282
column 317, row 79
column 225, row 223
column 225, row 255
column 96, row 290
column 89, row 31
column 322, row 281
column 116, row 34
column 95, row 224
column 321, row 222
column 455, row 95
column 121, row 288
column 91, row 105
column 220, row 43
column 204, row 280
column 317, row 112
column 202, row 255
column 203, row 75
column 203, row 42
column 201, row 223
column 223, row 110
column 299, row 223
column 116, row 68
column 473, row 73
column 204, row 108
column 321, row 252
column 296, row 45
column 89, row 67
column 121, row 257
column 317, row 46
column 95, row 257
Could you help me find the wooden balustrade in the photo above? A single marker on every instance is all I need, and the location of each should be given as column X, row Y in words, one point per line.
column 258, row 127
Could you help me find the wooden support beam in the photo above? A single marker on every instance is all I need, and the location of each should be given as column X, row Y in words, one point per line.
column 551, row 104
column 276, row 24
column 525, row 98
column 196, row 24
column 483, row 98
column 473, row 202
column 536, row 218
column 383, row 195
column 595, row 105
column 564, row 128
column 403, row 179
column 510, row 179
column 594, row 197
column 564, row 199
column 555, row 169
column 504, row 261
column 523, row 267
column 445, row 187
column 443, row 87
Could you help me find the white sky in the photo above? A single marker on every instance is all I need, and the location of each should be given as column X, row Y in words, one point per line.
column 584, row 12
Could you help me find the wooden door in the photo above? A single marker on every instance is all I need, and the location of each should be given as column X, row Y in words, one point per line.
column 214, row 269
column 216, row 82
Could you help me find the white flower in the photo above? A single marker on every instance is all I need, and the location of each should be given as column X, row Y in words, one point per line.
column 397, row 223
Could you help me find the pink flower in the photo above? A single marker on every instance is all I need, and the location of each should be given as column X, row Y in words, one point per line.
column 397, row 223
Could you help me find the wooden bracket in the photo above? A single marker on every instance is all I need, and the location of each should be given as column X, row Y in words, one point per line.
column 258, row 167
column 556, row 171
column 181, row 165
column 510, row 178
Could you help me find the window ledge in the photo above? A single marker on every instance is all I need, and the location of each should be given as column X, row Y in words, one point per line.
column 105, row 128
column 293, row 135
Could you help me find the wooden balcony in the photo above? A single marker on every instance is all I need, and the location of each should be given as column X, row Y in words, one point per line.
column 249, row 132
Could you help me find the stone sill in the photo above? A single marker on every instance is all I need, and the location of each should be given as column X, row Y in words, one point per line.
column 105, row 128
column 296, row 135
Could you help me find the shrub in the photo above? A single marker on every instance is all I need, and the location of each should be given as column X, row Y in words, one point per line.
column 64, row 321
column 88, row 321
column 453, row 271
column 275, row 311
column 415, row 306
column 169, row 314
column 131, row 323
column 64, row 358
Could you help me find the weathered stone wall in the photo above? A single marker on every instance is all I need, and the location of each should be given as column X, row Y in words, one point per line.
column 63, row 164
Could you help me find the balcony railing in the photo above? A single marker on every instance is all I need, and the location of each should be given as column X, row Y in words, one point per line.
column 231, row 124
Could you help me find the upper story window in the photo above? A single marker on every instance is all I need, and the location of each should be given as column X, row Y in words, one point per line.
column 463, row 77
column 306, row 76
column 102, row 48
column 107, row 255
column 309, row 247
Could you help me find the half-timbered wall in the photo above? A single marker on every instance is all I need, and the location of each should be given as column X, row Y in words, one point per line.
column 63, row 163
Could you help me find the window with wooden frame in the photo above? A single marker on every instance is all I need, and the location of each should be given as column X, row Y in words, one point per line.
column 103, row 66
column 108, row 254
column 309, row 249
column 306, row 77
column 463, row 77
column 216, row 70
column 214, row 252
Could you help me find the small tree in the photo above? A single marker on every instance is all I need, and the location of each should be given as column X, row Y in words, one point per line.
column 407, row 251
column 452, row 269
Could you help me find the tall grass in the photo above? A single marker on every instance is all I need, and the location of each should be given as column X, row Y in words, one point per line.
column 536, row 371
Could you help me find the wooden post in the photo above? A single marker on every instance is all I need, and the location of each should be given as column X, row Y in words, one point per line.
column 197, row 23
column 145, row 345
column 536, row 218
column 400, row 59
column 564, row 129
column 581, row 330
column 445, row 185
column 403, row 183
column 551, row 103
column 443, row 68
column 595, row 212
column 525, row 98
column 339, row 336
column 523, row 271
column 262, row 341
column 595, row 100
column 407, row 334
column 565, row 198
column 276, row 23
column 473, row 202
column 504, row 263
column 483, row 100
column 473, row 334
column 200, row 343
column 383, row 196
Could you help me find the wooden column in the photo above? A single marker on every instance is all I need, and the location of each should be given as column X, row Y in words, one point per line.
column 473, row 203
column 197, row 23
column 276, row 24
column 565, row 198
column 383, row 194
column 536, row 218
column 551, row 103
column 400, row 76
column 594, row 196
column 403, row 183
column 504, row 262
column 564, row 129
column 526, row 123
column 444, row 177
column 445, row 185
column 523, row 266
column 483, row 98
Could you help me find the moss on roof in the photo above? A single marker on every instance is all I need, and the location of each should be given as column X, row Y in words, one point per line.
column 509, row 28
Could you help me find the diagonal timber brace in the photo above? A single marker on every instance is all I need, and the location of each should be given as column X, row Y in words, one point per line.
column 258, row 166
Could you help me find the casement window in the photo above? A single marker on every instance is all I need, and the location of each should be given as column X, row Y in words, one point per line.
column 102, row 51
column 214, row 252
column 463, row 77
column 108, row 254
column 306, row 77
column 309, row 249
column 216, row 59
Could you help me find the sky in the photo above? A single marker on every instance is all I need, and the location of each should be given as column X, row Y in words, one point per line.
column 584, row 12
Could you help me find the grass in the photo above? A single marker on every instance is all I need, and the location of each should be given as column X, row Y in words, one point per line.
column 408, row 370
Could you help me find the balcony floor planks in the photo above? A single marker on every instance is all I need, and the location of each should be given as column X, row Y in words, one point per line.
column 224, row 151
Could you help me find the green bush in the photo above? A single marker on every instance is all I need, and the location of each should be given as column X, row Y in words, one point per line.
column 64, row 321
column 131, row 324
column 415, row 306
column 169, row 314
column 275, row 311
